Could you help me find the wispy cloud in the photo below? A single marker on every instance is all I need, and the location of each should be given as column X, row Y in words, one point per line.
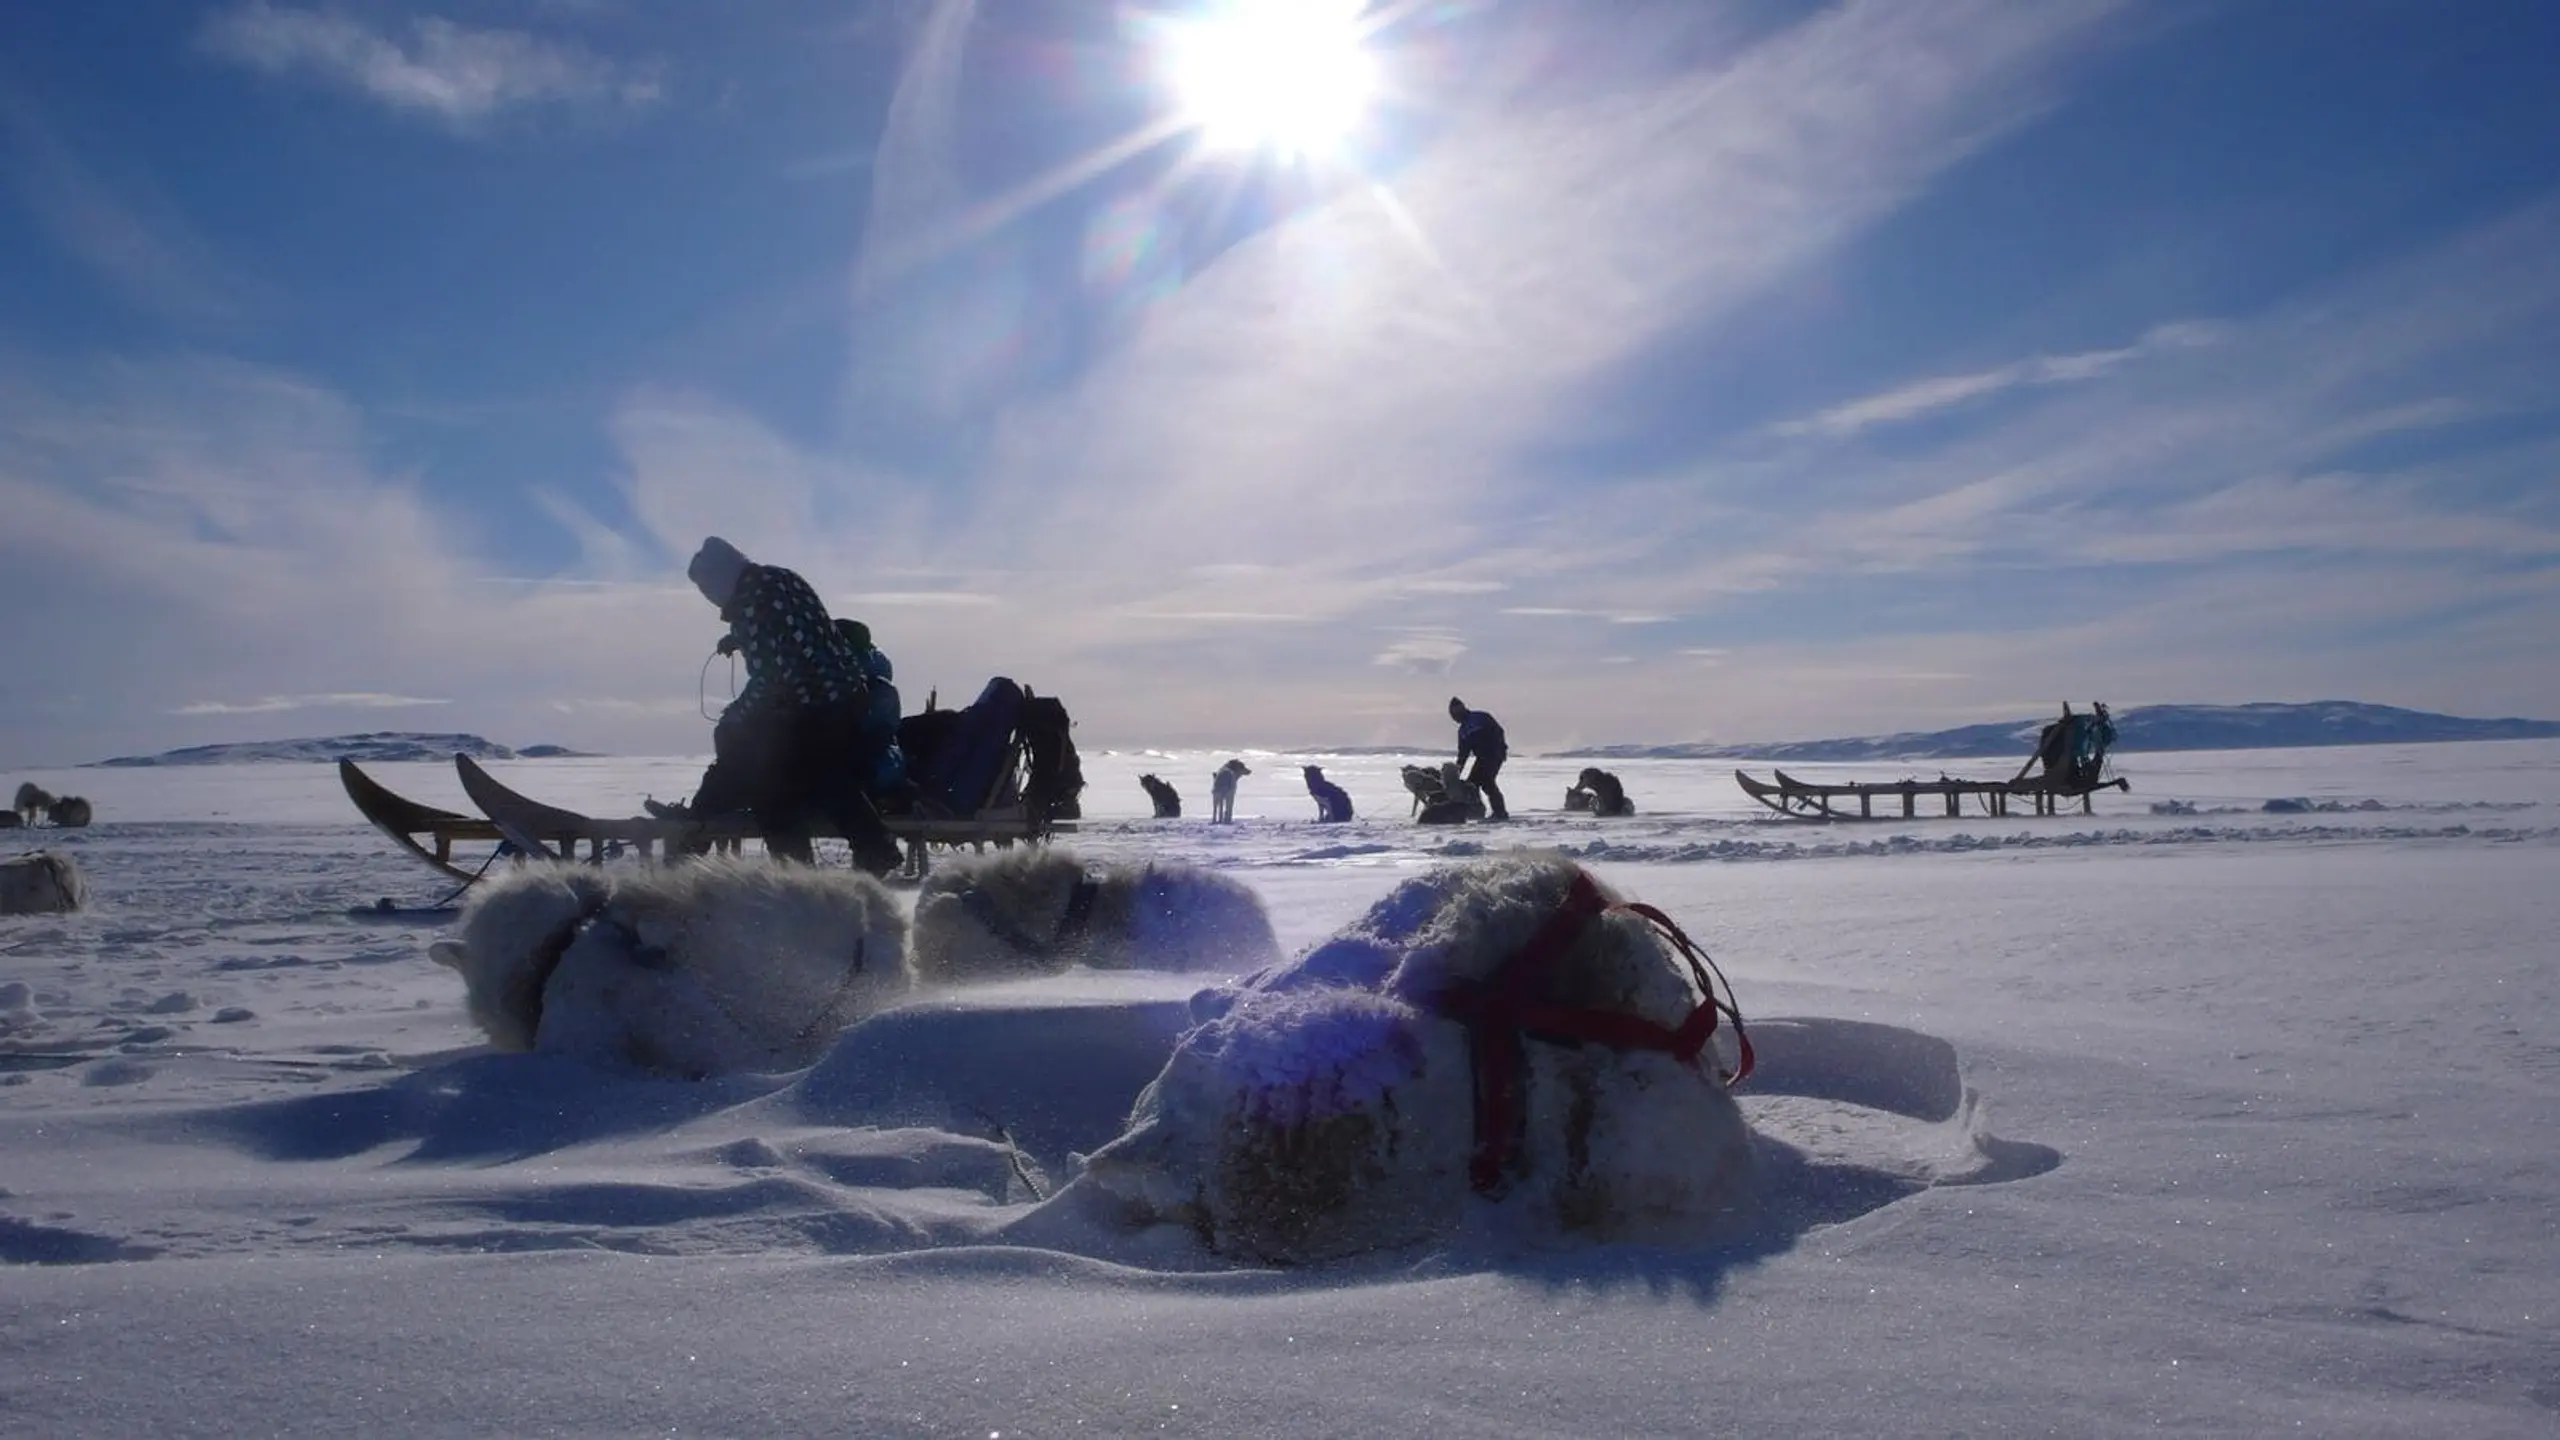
column 1567, row 612
column 924, row 599
column 454, row 74
column 117, row 224
column 272, row 704
column 1423, row 652
column 1945, row 392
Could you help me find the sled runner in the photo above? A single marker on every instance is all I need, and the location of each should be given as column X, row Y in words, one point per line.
column 532, row 827
column 408, row 823
column 2071, row 755
column 549, row 830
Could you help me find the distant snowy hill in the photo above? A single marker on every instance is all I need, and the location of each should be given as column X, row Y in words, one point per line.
column 377, row 747
column 2263, row 726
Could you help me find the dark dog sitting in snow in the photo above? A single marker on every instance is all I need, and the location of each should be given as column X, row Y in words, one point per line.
column 1505, row 1030
column 1333, row 803
column 1598, row 792
column 1168, row 800
column 711, row 967
column 68, row 812
column 1038, row 910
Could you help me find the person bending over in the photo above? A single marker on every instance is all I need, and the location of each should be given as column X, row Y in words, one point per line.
column 1480, row 737
column 781, row 751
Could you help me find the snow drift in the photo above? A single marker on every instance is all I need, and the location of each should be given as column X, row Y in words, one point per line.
column 1360, row 1095
column 707, row 968
column 1036, row 911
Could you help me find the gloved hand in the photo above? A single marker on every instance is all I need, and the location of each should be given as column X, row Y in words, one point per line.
column 728, row 646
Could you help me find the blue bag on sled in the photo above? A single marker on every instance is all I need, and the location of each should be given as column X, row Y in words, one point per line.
column 963, row 772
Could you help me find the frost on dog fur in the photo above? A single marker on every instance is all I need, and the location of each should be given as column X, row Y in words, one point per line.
column 707, row 968
column 1037, row 911
column 1330, row 1105
column 41, row 882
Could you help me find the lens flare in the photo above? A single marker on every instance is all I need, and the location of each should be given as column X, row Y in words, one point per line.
column 1292, row 77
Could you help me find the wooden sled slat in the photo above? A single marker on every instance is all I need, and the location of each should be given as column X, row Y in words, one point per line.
column 404, row 820
column 553, row 831
column 1802, row 800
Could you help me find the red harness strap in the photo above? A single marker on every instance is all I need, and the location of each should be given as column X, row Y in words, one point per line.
column 1501, row 1013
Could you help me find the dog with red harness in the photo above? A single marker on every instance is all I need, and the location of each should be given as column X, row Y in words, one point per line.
column 1505, row 1041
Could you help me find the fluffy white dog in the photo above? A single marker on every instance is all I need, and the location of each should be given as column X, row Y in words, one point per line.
column 1503, row 1029
column 1038, row 910
column 41, row 883
column 1222, row 791
column 710, row 967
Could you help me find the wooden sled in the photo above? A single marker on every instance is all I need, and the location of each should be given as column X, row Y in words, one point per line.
column 1799, row 800
column 555, row 833
column 422, row 830
column 535, row 828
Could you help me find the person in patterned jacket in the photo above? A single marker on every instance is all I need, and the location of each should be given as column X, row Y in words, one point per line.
column 780, row 749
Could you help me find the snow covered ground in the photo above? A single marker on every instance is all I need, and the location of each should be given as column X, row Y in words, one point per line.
column 2261, row 1138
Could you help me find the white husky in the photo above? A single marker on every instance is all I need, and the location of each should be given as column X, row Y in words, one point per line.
column 1222, row 790
column 710, row 967
column 1501, row 1029
column 1038, row 910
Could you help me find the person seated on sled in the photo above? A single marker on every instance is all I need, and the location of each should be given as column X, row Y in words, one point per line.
column 779, row 750
column 882, row 764
column 1480, row 736
column 1600, row 793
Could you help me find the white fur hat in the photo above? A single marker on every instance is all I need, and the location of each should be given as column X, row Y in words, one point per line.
column 716, row 569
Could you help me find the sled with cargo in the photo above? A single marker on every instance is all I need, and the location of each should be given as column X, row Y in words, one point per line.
column 2070, row 763
column 1024, row 789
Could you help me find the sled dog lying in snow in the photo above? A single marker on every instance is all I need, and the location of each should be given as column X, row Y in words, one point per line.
column 1222, row 791
column 707, row 968
column 1038, row 910
column 1504, row 1029
column 42, row 883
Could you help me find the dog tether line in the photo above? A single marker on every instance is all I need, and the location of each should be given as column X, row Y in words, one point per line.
column 1502, row 1012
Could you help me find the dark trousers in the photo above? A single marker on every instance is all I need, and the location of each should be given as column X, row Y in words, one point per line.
column 1487, row 767
column 790, row 768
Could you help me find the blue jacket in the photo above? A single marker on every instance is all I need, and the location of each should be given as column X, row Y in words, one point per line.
column 1481, row 735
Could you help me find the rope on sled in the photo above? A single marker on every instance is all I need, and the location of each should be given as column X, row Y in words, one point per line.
column 1502, row 1012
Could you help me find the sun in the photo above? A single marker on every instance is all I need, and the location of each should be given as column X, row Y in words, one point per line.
column 1291, row 77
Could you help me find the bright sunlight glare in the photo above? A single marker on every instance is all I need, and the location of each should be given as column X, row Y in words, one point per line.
column 1290, row 76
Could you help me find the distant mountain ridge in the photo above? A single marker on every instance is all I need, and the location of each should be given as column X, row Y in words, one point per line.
column 374, row 747
column 2259, row 726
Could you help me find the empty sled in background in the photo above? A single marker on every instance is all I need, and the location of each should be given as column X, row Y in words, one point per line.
column 2070, row 762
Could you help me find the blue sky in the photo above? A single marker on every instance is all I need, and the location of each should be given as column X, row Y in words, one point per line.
column 1639, row 372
